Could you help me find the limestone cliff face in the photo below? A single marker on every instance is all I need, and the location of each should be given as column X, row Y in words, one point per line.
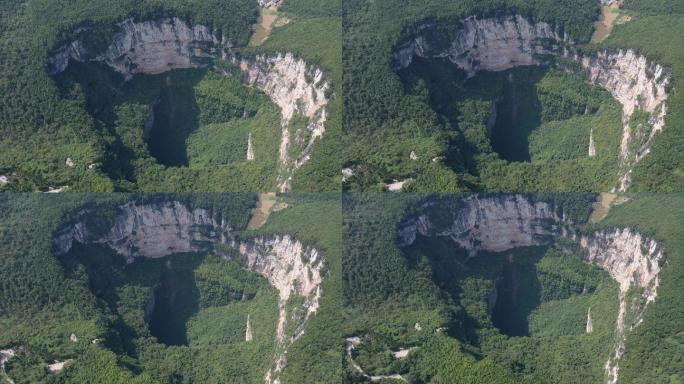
column 296, row 88
column 154, row 47
column 633, row 261
column 639, row 85
column 504, row 222
column 490, row 224
column 160, row 229
column 501, row 43
column 150, row 47
column 146, row 230
column 293, row 269
column 492, row 44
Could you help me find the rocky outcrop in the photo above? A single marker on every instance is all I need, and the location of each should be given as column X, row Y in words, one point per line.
column 154, row 47
column 634, row 261
column 501, row 43
column 489, row 224
column 639, row 85
column 590, row 323
column 500, row 223
column 250, row 148
column 293, row 269
column 58, row 366
column 146, row 230
column 5, row 356
column 248, row 331
column 296, row 88
column 491, row 44
column 150, row 47
column 269, row 3
column 160, row 229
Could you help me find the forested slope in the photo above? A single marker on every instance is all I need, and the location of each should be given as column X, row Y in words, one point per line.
column 437, row 119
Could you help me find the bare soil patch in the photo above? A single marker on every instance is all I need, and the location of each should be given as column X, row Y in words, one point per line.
column 263, row 210
column 269, row 18
column 610, row 15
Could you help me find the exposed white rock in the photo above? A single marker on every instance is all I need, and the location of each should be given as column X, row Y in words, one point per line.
column 397, row 186
column 250, row 148
column 291, row 268
column 501, row 43
column 269, row 3
column 5, row 356
column 590, row 323
column 150, row 47
column 347, row 173
column 4, row 180
column 248, row 331
column 638, row 84
column 149, row 230
column 413, row 156
column 592, row 144
column 490, row 224
column 58, row 366
column 504, row 222
column 417, row 327
column 69, row 162
column 297, row 89
column 633, row 261
column 57, row 190
column 491, row 44
column 156, row 230
column 402, row 353
column 73, row 338
column 59, row 59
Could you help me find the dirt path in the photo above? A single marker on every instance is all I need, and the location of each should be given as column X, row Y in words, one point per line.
column 610, row 15
column 602, row 206
column 350, row 344
column 263, row 210
column 268, row 19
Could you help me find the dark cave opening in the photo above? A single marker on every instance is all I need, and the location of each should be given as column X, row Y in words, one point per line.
column 515, row 114
column 513, row 110
column 514, row 295
column 173, row 117
column 119, row 105
column 173, row 301
column 165, row 288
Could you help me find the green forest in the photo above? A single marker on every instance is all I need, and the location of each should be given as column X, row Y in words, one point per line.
column 86, row 129
column 436, row 117
column 196, row 331
column 433, row 299
column 341, row 191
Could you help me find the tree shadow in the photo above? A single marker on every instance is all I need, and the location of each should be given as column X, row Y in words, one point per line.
column 115, row 103
column 172, row 300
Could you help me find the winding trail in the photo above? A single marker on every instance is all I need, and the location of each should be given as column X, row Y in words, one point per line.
column 350, row 343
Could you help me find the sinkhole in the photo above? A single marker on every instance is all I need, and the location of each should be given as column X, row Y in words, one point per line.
column 522, row 114
column 181, row 118
column 185, row 299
